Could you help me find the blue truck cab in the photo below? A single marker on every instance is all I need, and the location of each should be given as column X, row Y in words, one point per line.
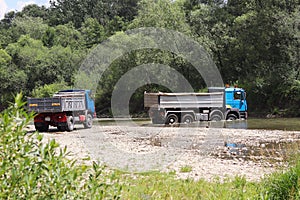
column 236, row 98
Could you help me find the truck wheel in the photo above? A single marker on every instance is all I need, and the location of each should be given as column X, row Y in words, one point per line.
column 172, row 119
column 70, row 123
column 89, row 121
column 41, row 127
column 231, row 117
column 216, row 115
column 61, row 128
column 187, row 119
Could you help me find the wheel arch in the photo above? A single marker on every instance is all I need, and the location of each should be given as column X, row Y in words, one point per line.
column 233, row 111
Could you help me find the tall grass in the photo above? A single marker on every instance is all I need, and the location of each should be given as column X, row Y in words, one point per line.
column 282, row 185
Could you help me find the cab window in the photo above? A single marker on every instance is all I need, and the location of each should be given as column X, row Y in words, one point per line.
column 237, row 95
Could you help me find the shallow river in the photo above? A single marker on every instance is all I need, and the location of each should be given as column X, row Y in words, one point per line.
column 288, row 124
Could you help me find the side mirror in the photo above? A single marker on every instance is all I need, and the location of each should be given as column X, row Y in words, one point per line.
column 244, row 95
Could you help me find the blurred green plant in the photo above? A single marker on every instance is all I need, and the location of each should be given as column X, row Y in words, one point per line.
column 33, row 169
column 186, row 169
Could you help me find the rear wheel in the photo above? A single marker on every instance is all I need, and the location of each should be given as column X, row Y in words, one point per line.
column 41, row 127
column 187, row 119
column 216, row 115
column 70, row 123
column 89, row 121
column 172, row 119
column 231, row 117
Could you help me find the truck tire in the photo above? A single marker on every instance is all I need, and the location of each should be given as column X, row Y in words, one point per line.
column 89, row 121
column 216, row 115
column 61, row 128
column 187, row 119
column 172, row 119
column 70, row 123
column 231, row 117
column 41, row 127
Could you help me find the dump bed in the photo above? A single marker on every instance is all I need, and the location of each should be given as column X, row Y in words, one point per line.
column 184, row 100
column 60, row 102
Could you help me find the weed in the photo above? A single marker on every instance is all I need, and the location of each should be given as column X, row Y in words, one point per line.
column 186, row 169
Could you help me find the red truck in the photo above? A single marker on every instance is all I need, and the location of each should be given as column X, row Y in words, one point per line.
column 63, row 110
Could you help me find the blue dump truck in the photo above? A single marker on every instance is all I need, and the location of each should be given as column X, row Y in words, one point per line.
column 218, row 104
column 63, row 110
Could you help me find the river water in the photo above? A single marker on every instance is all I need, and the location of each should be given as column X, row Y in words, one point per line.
column 285, row 124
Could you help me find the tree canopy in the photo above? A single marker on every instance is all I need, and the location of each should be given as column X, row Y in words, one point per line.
column 255, row 44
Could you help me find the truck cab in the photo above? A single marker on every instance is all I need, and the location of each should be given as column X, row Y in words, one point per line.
column 236, row 98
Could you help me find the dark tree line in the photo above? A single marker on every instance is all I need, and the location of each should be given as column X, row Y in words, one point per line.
column 254, row 43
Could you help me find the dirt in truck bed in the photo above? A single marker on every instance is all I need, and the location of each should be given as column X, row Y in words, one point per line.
column 208, row 152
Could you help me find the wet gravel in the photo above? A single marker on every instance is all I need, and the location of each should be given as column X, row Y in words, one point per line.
column 209, row 153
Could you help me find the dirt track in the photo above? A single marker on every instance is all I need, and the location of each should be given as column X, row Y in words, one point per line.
column 208, row 152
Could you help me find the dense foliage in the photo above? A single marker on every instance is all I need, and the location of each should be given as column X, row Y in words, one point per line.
column 254, row 44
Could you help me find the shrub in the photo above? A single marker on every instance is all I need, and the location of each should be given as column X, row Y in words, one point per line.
column 282, row 185
column 49, row 90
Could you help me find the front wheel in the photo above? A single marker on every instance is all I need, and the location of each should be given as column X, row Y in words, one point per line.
column 89, row 121
column 172, row 119
column 231, row 117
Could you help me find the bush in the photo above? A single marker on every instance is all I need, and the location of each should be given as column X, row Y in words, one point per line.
column 282, row 185
column 49, row 90
column 30, row 169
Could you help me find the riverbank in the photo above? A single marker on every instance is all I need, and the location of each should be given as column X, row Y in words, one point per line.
column 207, row 153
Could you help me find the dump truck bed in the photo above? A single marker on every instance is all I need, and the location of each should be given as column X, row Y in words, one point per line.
column 184, row 100
column 59, row 103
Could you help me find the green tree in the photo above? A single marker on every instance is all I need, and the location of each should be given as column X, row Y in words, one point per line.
column 92, row 32
column 162, row 14
column 35, row 27
column 67, row 36
column 77, row 12
column 12, row 79
column 34, row 10
column 43, row 65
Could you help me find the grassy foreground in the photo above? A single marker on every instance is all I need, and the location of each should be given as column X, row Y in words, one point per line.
column 30, row 169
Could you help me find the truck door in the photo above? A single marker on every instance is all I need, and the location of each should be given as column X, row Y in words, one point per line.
column 236, row 98
column 90, row 102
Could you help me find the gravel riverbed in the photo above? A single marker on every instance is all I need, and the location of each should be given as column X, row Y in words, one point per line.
column 192, row 152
